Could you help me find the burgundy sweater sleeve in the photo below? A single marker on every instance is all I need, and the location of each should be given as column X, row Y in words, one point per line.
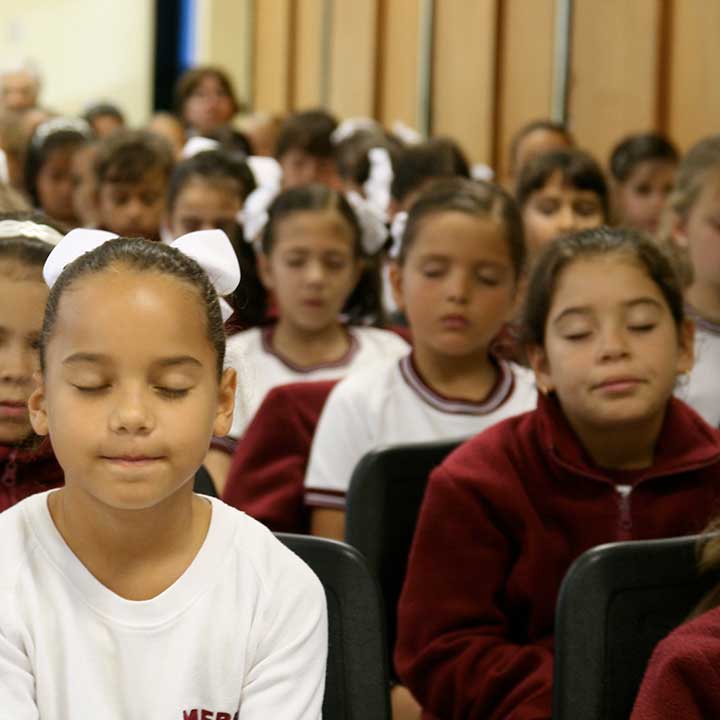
column 268, row 468
column 455, row 649
column 682, row 679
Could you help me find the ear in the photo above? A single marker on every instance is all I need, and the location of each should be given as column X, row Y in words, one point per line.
column 226, row 402
column 396, row 284
column 36, row 406
column 537, row 357
column 686, row 343
column 264, row 269
column 678, row 230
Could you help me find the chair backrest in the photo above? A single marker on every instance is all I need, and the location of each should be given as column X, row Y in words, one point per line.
column 615, row 603
column 204, row 484
column 383, row 502
column 357, row 682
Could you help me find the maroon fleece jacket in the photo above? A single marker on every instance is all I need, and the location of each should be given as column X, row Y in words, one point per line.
column 503, row 518
column 24, row 472
column 268, row 468
column 683, row 677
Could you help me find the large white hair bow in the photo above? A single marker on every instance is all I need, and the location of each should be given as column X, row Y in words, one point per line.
column 211, row 250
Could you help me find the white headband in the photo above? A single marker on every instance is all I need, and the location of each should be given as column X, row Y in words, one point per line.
column 59, row 124
column 29, row 229
column 210, row 249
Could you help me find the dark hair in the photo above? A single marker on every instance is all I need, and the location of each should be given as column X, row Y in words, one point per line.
column 141, row 255
column 128, row 155
column 213, row 166
column 364, row 301
column 351, row 154
column 103, row 109
column 28, row 251
column 577, row 168
column 473, row 197
column 309, row 131
column 190, row 79
column 639, row 148
column 561, row 253
column 531, row 127
column 54, row 134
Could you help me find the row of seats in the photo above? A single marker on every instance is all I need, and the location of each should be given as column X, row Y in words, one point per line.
column 616, row 601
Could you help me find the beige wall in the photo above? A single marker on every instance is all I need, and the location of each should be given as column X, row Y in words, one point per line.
column 86, row 49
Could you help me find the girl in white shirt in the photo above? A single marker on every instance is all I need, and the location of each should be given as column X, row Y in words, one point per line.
column 124, row 595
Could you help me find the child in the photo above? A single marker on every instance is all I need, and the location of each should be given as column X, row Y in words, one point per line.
column 681, row 677
column 456, row 277
column 188, row 608
column 311, row 258
column 49, row 167
column 533, row 139
column 560, row 192
column 132, row 168
column 104, row 118
column 692, row 225
column 305, row 149
column 642, row 168
column 26, row 465
column 608, row 455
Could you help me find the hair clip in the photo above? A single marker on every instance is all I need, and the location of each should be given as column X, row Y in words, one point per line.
column 196, row 145
column 211, row 249
column 374, row 232
column 397, row 231
column 29, row 229
column 60, row 124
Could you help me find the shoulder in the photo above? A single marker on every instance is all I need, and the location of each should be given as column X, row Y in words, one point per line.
column 377, row 338
column 244, row 341
column 367, row 382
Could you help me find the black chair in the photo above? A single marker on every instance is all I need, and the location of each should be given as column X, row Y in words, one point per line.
column 204, row 483
column 357, row 681
column 383, row 502
column 615, row 603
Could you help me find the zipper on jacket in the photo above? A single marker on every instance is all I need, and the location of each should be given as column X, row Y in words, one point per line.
column 9, row 476
column 625, row 517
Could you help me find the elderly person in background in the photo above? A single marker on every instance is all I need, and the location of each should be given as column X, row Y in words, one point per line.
column 19, row 86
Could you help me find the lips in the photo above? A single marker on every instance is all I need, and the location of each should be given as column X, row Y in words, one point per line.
column 620, row 385
column 454, row 322
column 13, row 408
column 132, row 461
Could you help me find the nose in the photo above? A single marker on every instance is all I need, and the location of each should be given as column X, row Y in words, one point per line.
column 458, row 286
column 17, row 363
column 613, row 343
column 314, row 272
column 131, row 413
column 566, row 220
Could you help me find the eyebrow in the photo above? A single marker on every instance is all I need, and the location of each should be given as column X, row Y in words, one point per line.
column 99, row 359
column 587, row 310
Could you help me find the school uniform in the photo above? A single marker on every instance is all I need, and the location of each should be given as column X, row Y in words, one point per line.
column 26, row 471
column 392, row 404
column 504, row 517
column 268, row 467
column 260, row 368
column 682, row 680
column 241, row 635
column 701, row 388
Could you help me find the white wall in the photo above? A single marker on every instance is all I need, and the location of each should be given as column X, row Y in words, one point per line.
column 87, row 50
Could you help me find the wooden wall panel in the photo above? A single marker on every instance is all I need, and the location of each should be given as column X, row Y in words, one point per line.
column 353, row 54
column 307, row 69
column 694, row 91
column 615, row 71
column 399, row 62
column 464, row 74
column 272, row 89
column 525, row 81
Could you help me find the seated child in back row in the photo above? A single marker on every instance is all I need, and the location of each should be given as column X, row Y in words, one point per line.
column 27, row 466
column 609, row 454
column 188, row 608
column 132, row 169
column 457, row 272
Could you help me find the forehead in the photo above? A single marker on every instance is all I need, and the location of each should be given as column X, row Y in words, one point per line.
column 313, row 225
column 131, row 314
column 152, row 180
column 451, row 232
column 651, row 169
column 18, row 80
column 202, row 194
column 537, row 142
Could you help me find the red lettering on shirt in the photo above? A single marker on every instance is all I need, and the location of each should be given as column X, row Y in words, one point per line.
column 191, row 715
column 206, row 715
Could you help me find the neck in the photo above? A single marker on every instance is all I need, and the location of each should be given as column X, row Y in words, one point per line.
column 310, row 347
column 623, row 447
column 466, row 377
column 135, row 553
column 705, row 299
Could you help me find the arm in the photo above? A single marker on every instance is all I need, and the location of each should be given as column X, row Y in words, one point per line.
column 328, row 523
column 455, row 648
column 17, row 684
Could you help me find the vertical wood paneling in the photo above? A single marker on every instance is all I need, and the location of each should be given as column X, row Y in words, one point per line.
column 526, row 70
column 399, row 62
column 308, row 61
column 694, row 91
column 273, row 53
column 354, row 58
column 464, row 72
column 615, row 71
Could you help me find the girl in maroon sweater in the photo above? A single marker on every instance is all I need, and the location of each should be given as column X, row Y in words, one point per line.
column 607, row 455
column 26, row 466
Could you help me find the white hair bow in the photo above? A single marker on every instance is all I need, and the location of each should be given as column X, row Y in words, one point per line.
column 197, row 144
column 268, row 178
column 373, row 223
column 211, row 249
column 29, row 229
column 397, row 230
